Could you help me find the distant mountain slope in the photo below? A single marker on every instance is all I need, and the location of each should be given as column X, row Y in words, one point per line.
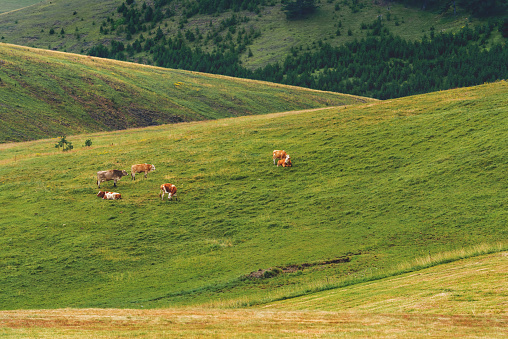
column 47, row 94
column 379, row 49
column 264, row 29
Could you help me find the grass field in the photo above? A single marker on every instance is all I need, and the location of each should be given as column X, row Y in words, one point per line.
column 49, row 94
column 466, row 298
column 373, row 186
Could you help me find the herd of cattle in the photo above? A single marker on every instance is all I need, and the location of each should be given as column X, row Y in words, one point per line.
column 283, row 160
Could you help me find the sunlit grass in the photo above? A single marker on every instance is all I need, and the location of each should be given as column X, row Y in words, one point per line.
column 382, row 183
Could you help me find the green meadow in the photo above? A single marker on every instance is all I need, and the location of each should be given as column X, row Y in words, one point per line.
column 374, row 188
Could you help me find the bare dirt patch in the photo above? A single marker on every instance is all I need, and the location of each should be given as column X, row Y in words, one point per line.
column 273, row 271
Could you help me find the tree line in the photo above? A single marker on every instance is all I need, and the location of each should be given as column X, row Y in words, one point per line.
column 475, row 7
column 381, row 65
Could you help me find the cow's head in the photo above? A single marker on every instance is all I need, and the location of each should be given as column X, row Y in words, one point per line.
column 124, row 172
column 288, row 159
column 101, row 194
column 153, row 168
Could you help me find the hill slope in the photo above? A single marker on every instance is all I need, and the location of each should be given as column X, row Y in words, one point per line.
column 372, row 186
column 47, row 94
column 268, row 33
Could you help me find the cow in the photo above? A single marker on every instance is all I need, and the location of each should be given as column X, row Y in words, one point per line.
column 141, row 168
column 109, row 195
column 286, row 162
column 170, row 189
column 278, row 154
column 110, row 175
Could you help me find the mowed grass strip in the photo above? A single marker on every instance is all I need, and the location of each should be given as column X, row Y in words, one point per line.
column 381, row 184
column 474, row 286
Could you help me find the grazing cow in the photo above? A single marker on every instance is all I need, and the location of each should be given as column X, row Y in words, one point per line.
column 286, row 162
column 110, row 175
column 141, row 168
column 109, row 195
column 170, row 189
column 278, row 154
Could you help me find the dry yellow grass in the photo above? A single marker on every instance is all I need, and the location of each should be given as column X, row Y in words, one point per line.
column 200, row 323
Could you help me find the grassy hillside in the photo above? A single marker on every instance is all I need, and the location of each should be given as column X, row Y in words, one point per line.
column 82, row 22
column 47, row 94
column 373, row 187
column 465, row 298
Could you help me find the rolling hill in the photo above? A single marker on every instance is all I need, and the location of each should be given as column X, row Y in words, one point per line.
column 49, row 94
column 373, row 187
column 391, row 223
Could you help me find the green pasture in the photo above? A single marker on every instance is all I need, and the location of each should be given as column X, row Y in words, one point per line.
column 378, row 185
column 49, row 94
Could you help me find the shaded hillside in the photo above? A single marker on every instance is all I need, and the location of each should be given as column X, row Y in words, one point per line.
column 47, row 94
column 372, row 187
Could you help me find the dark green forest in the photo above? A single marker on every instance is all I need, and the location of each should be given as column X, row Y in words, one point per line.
column 381, row 65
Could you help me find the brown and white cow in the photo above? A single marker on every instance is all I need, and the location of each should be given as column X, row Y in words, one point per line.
column 109, row 195
column 110, row 175
column 170, row 189
column 286, row 162
column 138, row 168
column 278, row 154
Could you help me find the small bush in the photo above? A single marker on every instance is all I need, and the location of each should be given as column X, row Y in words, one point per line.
column 66, row 145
